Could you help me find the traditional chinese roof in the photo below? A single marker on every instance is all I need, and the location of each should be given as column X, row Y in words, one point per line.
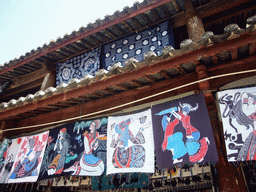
column 220, row 53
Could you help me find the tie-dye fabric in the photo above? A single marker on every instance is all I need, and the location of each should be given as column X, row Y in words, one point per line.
column 78, row 66
column 154, row 39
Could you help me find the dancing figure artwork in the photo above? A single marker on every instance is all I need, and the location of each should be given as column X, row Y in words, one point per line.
column 87, row 163
column 238, row 113
column 28, row 161
column 76, row 148
column 129, row 152
column 181, row 139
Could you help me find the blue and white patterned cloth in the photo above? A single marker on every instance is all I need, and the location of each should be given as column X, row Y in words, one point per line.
column 77, row 67
column 136, row 45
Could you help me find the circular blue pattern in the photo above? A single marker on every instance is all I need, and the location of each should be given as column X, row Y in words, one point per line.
column 138, row 37
column 138, row 52
column 145, row 42
column 125, row 41
column 66, row 73
column 119, row 50
column 164, row 33
column 107, row 55
column 154, row 39
column 113, row 46
column 125, row 56
column 131, row 47
column 152, row 48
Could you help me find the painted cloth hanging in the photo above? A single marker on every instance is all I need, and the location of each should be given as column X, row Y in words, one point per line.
column 77, row 148
column 183, row 133
column 9, row 158
column 78, row 66
column 130, row 144
column 3, row 152
column 152, row 39
column 238, row 114
column 29, row 157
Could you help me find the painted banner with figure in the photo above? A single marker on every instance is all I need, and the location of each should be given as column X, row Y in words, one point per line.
column 27, row 163
column 77, row 148
column 130, row 144
column 8, row 149
column 238, row 114
column 3, row 152
column 183, row 132
column 9, row 159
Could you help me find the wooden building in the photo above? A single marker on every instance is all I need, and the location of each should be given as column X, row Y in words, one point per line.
column 215, row 42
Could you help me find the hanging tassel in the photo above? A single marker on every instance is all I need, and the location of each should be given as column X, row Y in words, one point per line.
column 11, row 187
column 25, row 186
column 163, row 175
column 15, row 187
column 32, row 186
column 37, row 187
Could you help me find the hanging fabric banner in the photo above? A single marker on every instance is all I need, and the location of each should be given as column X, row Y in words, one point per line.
column 130, row 144
column 154, row 39
column 3, row 151
column 183, row 133
column 5, row 163
column 9, row 158
column 27, row 163
column 77, row 148
column 78, row 66
column 238, row 114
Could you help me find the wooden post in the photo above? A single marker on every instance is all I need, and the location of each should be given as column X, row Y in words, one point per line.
column 50, row 77
column 228, row 177
column 195, row 25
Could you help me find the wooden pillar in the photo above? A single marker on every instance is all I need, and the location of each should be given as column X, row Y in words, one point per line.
column 50, row 77
column 195, row 25
column 229, row 178
column 3, row 124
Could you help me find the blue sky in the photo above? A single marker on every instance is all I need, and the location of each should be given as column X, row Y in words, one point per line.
column 28, row 24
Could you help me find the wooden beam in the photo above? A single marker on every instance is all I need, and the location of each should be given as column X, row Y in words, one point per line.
column 175, row 5
column 25, row 79
column 207, row 10
column 115, row 100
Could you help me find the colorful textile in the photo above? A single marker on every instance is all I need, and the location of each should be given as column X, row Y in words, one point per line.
column 238, row 114
column 136, row 45
column 130, row 145
column 77, row 148
column 3, row 152
column 78, row 66
column 183, row 133
column 9, row 158
column 29, row 158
